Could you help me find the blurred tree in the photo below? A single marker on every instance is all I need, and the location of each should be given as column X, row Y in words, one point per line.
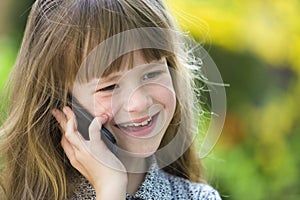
column 265, row 28
column 13, row 17
column 3, row 16
column 256, row 45
column 17, row 13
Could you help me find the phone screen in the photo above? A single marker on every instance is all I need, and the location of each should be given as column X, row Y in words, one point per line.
column 84, row 119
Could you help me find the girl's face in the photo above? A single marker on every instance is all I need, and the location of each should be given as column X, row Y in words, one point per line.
column 139, row 103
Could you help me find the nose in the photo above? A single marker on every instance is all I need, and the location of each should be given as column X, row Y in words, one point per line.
column 138, row 101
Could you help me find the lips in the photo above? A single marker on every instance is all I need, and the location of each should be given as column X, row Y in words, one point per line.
column 140, row 127
column 136, row 125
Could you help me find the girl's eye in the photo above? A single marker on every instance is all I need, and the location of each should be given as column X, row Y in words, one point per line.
column 108, row 88
column 151, row 75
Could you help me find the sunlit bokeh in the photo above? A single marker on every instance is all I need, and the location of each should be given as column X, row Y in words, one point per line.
column 256, row 45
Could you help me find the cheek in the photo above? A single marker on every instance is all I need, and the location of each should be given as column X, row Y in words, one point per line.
column 166, row 96
column 103, row 105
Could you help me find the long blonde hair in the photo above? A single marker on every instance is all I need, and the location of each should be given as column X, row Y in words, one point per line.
column 58, row 36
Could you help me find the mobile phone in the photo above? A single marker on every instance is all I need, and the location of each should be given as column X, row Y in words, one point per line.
column 84, row 119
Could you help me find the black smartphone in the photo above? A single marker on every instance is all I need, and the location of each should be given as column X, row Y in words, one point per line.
column 84, row 119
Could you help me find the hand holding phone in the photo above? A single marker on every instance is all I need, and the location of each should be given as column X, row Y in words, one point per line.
column 90, row 158
column 84, row 119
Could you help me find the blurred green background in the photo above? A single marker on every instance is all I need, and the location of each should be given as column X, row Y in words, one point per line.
column 256, row 46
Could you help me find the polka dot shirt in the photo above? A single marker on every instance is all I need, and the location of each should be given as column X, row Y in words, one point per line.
column 157, row 185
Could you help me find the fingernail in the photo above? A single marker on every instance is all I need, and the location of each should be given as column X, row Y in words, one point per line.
column 53, row 112
column 104, row 118
column 65, row 110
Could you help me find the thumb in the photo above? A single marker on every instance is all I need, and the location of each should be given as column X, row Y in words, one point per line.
column 95, row 127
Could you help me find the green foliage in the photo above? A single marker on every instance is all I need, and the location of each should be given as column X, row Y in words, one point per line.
column 256, row 45
column 7, row 58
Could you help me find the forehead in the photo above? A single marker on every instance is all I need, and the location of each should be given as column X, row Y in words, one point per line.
column 129, row 67
column 136, row 67
column 103, row 62
column 131, row 60
column 134, row 59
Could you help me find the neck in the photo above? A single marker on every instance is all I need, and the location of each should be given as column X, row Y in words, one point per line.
column 134, row 181
column 136, row 171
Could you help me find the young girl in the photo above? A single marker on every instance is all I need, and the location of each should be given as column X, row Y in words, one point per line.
column 121, row 63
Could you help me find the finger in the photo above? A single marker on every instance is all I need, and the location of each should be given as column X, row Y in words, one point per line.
column 66, row 145
column 72, row 155
column 95, row 127
column 71, row 132
column 60, row 118
column 69, row 114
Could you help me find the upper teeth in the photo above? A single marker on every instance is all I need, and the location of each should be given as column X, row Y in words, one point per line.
column 144, row 123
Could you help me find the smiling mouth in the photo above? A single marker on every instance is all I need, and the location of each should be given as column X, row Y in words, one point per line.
column 144, row 123
column 139, row 128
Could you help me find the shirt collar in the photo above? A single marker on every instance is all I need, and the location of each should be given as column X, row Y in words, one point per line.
column 155, row 185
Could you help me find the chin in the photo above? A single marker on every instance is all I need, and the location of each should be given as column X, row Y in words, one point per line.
column 142, row 152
